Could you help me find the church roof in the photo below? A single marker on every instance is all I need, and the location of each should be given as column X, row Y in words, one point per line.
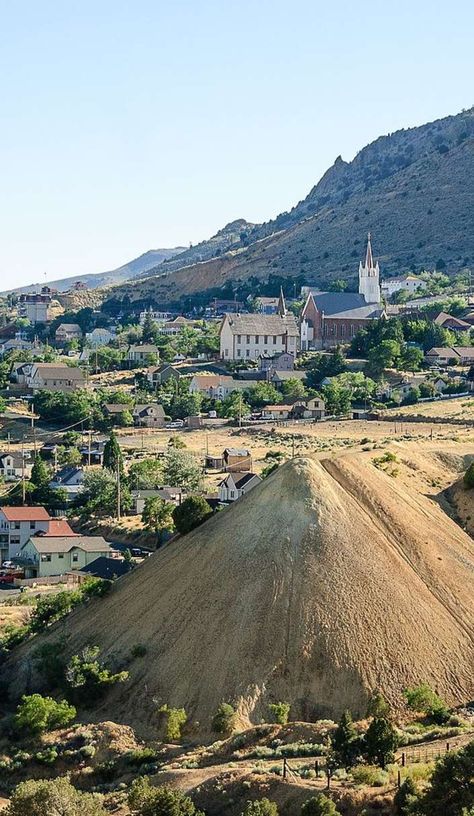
column 348, row 305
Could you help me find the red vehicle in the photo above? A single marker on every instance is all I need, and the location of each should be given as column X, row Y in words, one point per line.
column 10, row 577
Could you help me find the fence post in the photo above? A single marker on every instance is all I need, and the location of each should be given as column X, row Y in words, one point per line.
column 316, row 767
column 284, row 768
column 403, row 759
column 399, row 778
column 447, row 746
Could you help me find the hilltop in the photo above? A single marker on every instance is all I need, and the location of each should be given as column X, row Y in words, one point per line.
column 411, row 189
column 328, row 580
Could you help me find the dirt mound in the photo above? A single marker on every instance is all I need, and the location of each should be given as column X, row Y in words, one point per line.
column 328, row 580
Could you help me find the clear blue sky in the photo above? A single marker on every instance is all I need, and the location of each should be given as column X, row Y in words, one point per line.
column 127, row 126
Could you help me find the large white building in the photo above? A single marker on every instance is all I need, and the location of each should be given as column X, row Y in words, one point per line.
column 248, row 336
column 402, row 283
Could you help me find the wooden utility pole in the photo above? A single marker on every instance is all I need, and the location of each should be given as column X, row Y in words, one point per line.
column 118, row 491
column 89, row 448
column 23, row 484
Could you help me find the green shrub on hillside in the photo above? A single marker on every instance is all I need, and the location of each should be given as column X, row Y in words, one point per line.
column 223, row 721
column 37, row 713
column 175, row 718
column 145, row 800
column 260, row 807
column 280, row 712
column 88, row 678
column 46, row 797
column 422, row 698
column 319, row 805
column 469, row 477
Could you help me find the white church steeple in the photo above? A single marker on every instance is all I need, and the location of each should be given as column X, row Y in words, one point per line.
column 369, row 277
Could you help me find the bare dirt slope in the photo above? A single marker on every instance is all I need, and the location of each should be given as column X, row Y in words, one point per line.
column 326, row 581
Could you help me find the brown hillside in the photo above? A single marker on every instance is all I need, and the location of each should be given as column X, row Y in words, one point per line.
column 326, row 581
column 412, row 189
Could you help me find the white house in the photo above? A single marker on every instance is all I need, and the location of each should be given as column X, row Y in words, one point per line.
column 144, row 353
column 236, row 484
column 99, row 337
column 13, row 466
column 17, row 524
column 55, row 377
column 402, row 283
column 70, row 479
column 248, row 336
column 67, row 332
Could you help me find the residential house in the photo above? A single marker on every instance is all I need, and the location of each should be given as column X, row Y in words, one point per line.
column 217, row 386
column 247, row 336
column 13, row 466
column 276, row 362
column 93, row 454
column 55, row 377
column 157, row 317
column 115, row 411
column 70, row 479
column 16, row 344
column 465, row 354
column 402, row 283
column 35, row 306
column 454, row 324
column 236, row 485
column 462, row 355
column 277, row 412
column 20, row 373
column 267, row 305
column 329, row 319
column 173, row 495
column 157, row 375
column 143, row 354
column 17, row 524
column 149, row 416
column 99, row 337
column 236, row 460
column 442, row 356
column 43, row 556
column 310, row 408
column 67, row 332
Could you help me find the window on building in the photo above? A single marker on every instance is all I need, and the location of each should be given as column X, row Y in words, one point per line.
column 16, row 525
column 239, row 353
column 226, row 352
column 75, row 558
column 239, row 338
column 274, row 339
column 32, row 525
column 60, row 555
column 247, row 353
column 46, row 557
column 248, row 339
column 257, row 338
column 265, row 339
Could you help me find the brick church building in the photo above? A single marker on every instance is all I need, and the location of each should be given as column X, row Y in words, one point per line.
column 330, row 319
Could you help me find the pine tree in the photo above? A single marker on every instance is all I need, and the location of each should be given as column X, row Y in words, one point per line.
column 149, row 331
column 113, row 459
column 380, row 741
column 40, row 475
column 345, row 741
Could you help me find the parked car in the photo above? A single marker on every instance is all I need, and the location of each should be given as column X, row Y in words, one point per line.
column 7, row 564
column 178, row 423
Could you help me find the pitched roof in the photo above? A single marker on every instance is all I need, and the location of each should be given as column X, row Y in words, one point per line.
column 107, row 568
column 143, row 409
column 58, row 528
column 237, row 452
column 294, row 374
column 262, row 324
column 346, row 305
column 442, row 351
column 17, row 458
column 26, row 514
column 146, row 348
column 72, row 327
column 65, row 473
column 464, row 351
column 69, row 542
column 444, row 317
column 240, row 479
column 55, row 371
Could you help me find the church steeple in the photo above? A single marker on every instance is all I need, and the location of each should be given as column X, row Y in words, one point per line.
column 369, row 277
column 281, row 308
column 369, row 261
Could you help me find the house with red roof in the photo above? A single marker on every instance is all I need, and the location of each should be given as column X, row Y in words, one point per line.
column 18, row 524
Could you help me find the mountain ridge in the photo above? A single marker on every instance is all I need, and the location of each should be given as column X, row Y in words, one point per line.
column 411, row 189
